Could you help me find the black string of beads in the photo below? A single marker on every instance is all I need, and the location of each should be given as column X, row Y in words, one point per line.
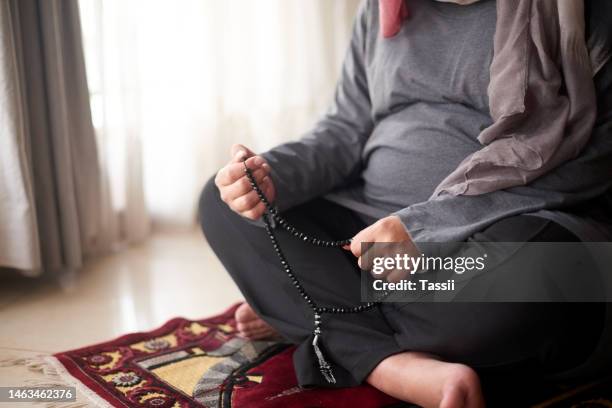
column 273, row 212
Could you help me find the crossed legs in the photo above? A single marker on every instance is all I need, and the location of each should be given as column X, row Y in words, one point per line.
column 400, row 354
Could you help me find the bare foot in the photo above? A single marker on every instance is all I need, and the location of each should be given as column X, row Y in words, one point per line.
column 251, row 326
column 423, row 380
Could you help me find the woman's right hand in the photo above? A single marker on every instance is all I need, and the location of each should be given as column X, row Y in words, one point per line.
column 234, row 186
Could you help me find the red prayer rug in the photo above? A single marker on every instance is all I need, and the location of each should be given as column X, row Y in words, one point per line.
column 198, row 363
column 203, row 363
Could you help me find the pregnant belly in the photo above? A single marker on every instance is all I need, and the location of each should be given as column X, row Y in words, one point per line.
column 403, row 167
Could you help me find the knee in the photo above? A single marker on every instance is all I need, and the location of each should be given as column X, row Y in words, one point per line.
column 209, row 205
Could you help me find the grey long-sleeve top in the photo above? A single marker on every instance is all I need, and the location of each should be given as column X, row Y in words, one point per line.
column 408, row 110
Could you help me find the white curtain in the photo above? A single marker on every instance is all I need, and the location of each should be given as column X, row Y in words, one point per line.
column 19, row 245
column 50, row 178
column 175, row 83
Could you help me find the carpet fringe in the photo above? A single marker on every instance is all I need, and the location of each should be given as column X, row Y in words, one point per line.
column 34, row 364
column 56, row 376
column 81, row 388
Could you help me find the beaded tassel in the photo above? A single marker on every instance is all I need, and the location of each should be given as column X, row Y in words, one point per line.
column 324, row 366
column 271, row 212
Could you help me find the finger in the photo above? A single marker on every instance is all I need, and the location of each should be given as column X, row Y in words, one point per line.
column 255, row 212
column 256, row 162
column 265, row 185
column 234, row 171
column 240, row 152
column 242, row 186
column 268, row 188
column 366, row 235
column 229, row 174
column 245, row 202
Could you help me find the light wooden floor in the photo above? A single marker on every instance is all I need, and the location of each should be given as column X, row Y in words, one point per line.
column 174, row 274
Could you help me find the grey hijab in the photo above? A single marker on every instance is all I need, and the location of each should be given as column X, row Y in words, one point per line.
column 541, row 96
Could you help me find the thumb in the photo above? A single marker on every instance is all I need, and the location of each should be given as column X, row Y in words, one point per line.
column 355, row 246
column 240, row 152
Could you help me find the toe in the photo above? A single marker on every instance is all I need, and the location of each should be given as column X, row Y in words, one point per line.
column 251, row 326
column 254, row 329
column 254, row 334
column 263, row 333
column 245, row 313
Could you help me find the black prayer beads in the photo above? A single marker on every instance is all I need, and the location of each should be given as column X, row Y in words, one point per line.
column 272, row 212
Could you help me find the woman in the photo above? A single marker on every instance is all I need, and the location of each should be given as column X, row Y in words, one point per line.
column 408, row 110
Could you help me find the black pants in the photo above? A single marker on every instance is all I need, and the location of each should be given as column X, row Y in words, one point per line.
column 538, row 337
